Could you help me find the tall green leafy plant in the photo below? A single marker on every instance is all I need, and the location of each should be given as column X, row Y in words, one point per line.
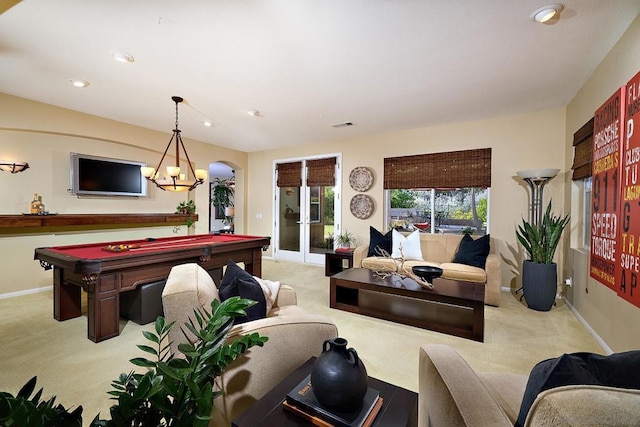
column 542, row 241
column 174, row 391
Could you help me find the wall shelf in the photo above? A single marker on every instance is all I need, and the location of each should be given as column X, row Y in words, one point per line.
column 21, row 224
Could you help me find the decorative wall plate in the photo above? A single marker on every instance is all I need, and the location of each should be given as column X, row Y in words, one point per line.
column 361, row 179
column 361, row 206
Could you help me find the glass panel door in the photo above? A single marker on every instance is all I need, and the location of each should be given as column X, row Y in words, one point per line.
column 321, row 203
column 305, row 221
column 289, row 224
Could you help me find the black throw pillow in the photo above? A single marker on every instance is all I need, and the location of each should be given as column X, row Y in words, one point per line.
column 473, row 252
column 379, row 240
column 620, row 370
column 236, row 282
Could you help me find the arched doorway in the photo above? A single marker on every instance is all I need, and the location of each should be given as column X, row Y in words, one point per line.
column 221, row 217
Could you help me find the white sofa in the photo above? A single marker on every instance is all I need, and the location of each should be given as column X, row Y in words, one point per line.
column 439, row 250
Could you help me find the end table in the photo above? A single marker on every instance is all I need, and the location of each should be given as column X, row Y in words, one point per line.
column 334, row 262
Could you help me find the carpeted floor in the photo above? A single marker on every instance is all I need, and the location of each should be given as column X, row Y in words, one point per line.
column 79, row 372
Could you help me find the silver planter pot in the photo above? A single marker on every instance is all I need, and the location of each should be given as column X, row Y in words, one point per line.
column 539, row 285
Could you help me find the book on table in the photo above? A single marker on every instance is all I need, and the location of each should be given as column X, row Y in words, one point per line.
column 303, row 402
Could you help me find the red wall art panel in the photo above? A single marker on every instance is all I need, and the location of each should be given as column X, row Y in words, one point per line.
column 608, row 136
column 628, row 268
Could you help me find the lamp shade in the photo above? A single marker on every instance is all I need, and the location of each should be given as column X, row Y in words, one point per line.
column 229, row 211
column 538, row 173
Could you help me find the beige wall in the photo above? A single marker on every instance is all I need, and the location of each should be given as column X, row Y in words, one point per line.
column 44, row 135
column 611, row 317
column 518, row 142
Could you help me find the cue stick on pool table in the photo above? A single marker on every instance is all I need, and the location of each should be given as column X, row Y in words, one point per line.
column 167, row 246
column 149, row 245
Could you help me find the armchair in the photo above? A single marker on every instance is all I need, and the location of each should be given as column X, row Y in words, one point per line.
column 452, row 394
column 294, row 337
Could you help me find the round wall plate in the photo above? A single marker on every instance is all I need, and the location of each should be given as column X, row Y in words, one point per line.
column 361, row 179
column 361, row 206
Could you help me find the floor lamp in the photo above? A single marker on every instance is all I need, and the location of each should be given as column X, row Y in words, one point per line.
column 537, row 178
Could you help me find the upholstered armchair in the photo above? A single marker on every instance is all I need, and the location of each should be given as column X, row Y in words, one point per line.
column 452, row 394
column 294, row 337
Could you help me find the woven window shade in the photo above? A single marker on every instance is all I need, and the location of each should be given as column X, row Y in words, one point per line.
column 289, row 174
column 454, row 169
column 321, row 172
column 583, row 151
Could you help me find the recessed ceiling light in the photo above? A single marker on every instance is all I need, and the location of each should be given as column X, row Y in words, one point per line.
column 208, row 123
column 79, row 83
column 545, row 14
column 123, row 57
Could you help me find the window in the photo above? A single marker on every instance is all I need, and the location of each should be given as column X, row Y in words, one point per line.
column 439, row 192
column 439, row 211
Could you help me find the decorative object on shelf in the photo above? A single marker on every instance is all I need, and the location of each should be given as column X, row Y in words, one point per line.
column 188, row 208
column 361, row 206
column 13, row 167
column 338, row 377
column 175, row 181
column 539, row 272
column 427, row 272
column 361, row 179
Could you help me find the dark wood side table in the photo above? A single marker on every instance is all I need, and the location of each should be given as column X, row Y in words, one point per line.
column 334, row 262
column 400, row 407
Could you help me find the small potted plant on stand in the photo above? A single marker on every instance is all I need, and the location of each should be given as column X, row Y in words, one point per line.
column 539, row 272
column 344, row 242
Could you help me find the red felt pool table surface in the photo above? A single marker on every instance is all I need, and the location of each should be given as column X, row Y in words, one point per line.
column 105, row 269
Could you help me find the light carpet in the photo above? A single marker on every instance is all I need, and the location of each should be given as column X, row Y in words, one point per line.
column 79, row 371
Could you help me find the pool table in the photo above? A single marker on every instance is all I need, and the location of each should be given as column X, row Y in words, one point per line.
column 104, row 270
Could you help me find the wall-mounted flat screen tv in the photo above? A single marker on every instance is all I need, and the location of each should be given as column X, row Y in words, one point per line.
column 103, row 176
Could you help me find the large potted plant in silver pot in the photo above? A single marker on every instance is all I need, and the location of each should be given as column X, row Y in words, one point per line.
column 539, row 272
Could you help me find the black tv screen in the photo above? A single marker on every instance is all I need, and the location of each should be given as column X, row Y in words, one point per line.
column 102, row 176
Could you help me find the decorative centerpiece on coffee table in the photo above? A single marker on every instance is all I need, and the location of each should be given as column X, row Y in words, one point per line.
column 427, row 272
column 401, row 272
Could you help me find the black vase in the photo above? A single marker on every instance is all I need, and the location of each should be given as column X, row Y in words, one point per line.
column 338, row 378
column 539, row 285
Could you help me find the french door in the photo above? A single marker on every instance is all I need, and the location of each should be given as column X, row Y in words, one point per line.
column 307, row 208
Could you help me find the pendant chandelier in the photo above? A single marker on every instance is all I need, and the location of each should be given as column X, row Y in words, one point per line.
column 174, row 180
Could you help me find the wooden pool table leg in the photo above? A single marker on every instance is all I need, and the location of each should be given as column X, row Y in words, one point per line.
column 103, row 306
column 66, row 297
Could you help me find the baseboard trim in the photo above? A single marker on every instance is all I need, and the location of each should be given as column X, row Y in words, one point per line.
column 27, row 292
column 597, row 337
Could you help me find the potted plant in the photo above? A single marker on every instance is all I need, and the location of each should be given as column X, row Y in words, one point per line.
column 172, row 392
column 345, row 240
column 188, row 208
column 539, row 272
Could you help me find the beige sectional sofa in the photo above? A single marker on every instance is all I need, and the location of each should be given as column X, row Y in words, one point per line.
column 452, row 394
column 439, row 250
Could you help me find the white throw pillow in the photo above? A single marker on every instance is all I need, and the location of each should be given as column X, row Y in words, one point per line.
column 410, row 245
column 270, row 290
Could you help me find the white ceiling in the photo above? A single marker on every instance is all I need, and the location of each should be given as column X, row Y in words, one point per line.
column 384, row 65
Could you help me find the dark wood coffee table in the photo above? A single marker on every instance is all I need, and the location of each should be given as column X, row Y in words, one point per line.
column 452, row 307
column 400, row 407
